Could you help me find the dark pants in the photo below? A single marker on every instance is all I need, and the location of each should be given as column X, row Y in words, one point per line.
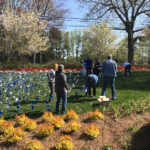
column 111, row 80
column 89, row 70
column 127, row 70
column 52, row 90
column 89, row 89
column 60, row 96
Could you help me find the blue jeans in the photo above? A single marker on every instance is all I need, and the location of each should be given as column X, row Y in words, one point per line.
column 60, row 96
column 112, row 84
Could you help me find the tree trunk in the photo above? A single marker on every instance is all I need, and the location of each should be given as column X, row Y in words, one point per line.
column 34, row 58
column 40, row 57
column 130, row 47
column 149, row 56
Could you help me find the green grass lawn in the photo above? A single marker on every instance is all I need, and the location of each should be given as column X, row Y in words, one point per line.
column 133, row 94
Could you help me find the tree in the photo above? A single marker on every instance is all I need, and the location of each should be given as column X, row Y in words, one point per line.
column 147, row 41
column 55, row 40
column 66, row 44
column 23, row 32
column 78, row 40
column 126, row 10
column 72, row 43
column 97, row 41
column 49, row 10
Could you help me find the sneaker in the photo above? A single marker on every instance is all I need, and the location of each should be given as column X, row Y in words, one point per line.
column 63, row 112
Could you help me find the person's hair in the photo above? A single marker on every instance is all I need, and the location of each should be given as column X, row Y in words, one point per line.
column 109, row 56
column 89, row 79
column 56, row 66
column 60, row 67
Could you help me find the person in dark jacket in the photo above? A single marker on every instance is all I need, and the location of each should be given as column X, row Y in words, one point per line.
column 61, row 89
column 88, row 66
column 91, row 82
column 97, row 68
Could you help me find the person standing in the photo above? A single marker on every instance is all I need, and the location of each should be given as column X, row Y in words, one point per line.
column 97, row 68
column 91, row 82
column 61, row 89
column 51, row 81
column 88, row 66
column 84, row 67
column 109, row 69
column 127, row 67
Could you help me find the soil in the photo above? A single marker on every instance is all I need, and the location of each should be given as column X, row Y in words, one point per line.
column 126, row 133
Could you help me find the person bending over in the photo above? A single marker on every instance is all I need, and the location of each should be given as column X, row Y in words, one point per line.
column 91, row 82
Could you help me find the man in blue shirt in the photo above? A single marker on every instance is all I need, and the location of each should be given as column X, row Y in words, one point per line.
column 109, row 68
column 92, row 80
column 127, row 67
column 88, row 66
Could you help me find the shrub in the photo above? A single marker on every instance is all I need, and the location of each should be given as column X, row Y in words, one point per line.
column 15, row 136
column 44, row 130
column 96, row 115
column 58, row 122
column 71, row 115
column 92, row 131
column 6, row 127
column 64, row 143
column 29, row 124
column 1, row 120
column 21, row 119
column 47, row 116
column 33, row 145
column 72, row 126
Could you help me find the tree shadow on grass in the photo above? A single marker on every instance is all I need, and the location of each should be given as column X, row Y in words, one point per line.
column 34, row 115
column 77, row 99
column 141, row 139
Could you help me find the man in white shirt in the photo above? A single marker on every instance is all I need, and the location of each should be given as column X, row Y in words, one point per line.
column 127, row 67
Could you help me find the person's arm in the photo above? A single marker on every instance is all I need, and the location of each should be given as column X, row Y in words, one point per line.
column 48, row 76
column 116, row 67
column 103, row 68
column 64, row 80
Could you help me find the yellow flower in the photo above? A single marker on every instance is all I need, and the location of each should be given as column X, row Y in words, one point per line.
column 72, row 126
column 21, row 119
column 92, row 131
column 15, row 135
column 71, row 115
column 29, row 124
column 47, row 116
column 96, row 115
column 44, row 130
column 6, row 127
column 33, row 145
column 64, row 143
column 58, row 122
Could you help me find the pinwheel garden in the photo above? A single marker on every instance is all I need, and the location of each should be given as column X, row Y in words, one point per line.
column 27, row 119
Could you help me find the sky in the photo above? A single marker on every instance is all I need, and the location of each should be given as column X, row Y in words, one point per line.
column 75, row 12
